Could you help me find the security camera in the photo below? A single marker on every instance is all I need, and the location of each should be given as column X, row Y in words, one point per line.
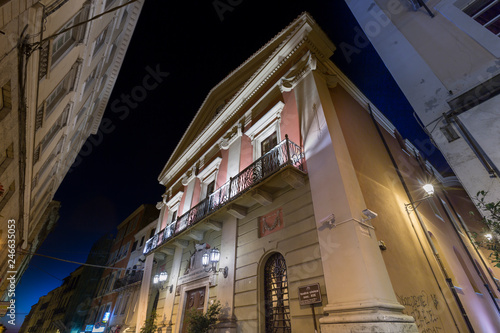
column 369, row 214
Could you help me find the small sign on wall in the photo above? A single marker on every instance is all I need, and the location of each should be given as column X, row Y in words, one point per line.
column 310, row 294
column 271, row 222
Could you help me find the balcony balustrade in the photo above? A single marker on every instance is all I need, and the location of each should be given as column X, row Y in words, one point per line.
column 286, row 153
column 128, row 280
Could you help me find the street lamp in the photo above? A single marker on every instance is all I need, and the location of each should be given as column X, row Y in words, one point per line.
column 213, row 258
column 160, row 279
column 429, row 190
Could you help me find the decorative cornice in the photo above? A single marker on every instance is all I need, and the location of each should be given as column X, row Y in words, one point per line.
column 189, row 176
column 117, row 63
column 305, row 65
column 294, row 37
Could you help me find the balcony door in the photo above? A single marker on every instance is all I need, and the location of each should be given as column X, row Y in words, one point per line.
column 270, row 160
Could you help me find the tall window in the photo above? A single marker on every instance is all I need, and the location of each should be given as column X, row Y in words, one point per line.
column 99, row 42
column 277, row 307
column 58, row 125
column 210, row 188
column 66, row 85
column 67, row 38
column 90, row 79
column 268, row 143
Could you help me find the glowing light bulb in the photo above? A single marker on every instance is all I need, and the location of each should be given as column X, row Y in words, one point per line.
column 429, row 189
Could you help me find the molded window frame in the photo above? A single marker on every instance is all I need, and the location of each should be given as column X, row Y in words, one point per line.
column 209, row 175
column 265, row 127
column 173, row 206
column 69, row 38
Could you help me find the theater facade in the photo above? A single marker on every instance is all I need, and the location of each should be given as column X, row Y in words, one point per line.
column 294, row 202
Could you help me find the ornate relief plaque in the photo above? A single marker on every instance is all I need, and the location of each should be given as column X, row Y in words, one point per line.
column 271, row 222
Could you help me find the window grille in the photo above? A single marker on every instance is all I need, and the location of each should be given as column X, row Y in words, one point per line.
column 277, row 307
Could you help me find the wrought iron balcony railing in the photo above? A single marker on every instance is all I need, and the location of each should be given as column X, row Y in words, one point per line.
column 285, row 153
column 128, row 280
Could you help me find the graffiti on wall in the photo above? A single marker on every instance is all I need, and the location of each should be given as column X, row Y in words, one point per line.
column 424, row 308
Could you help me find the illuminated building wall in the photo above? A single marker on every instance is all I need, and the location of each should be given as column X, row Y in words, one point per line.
column 68, row 80
column 446, row 62
column 275, row 174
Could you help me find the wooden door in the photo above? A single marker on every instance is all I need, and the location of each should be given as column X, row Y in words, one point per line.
column 195, row 299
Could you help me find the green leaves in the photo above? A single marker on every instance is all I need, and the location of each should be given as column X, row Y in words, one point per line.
column 492, row 221
column 149, row 324
column 202, row 322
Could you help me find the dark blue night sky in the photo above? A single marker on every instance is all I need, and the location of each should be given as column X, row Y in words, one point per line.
column 193, row 47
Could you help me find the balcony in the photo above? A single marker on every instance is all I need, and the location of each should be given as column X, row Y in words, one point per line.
column 285, row 155
column 128, row 280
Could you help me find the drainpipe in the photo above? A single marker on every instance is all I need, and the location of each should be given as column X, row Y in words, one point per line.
column 424, row 228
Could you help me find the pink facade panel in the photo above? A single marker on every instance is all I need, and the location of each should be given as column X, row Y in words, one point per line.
column 246, row 156
column 164, row 218
column 290, row 118
column 196, row 192
column 181, row 204
column 222, row 175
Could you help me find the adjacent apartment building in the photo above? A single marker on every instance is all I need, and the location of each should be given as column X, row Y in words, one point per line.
column 297, row 205
column 445, row 57
column 118, row 285
column 65, row 308
column 57, row 69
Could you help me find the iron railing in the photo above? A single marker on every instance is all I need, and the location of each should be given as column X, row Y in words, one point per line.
column 128, row 280
column 285, row 153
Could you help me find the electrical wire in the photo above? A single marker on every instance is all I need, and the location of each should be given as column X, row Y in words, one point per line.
column 55, row 277
column 76, row 262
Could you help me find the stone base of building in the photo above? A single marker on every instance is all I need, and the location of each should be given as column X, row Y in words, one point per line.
column 384, row 318
column 377, row 327
column 226, row 326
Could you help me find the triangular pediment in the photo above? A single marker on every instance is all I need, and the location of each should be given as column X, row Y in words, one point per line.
column 235, row 89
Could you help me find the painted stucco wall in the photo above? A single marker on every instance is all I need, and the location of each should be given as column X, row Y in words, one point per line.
column 297, row 242
column 410, row 262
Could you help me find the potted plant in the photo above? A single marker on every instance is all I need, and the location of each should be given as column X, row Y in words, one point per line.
column 199, row 322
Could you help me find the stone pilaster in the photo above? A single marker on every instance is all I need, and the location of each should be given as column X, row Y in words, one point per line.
column 360, row 294
column 142, row 308
column 225, row 286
